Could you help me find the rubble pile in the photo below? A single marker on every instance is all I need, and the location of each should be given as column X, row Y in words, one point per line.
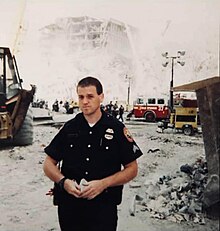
column 177, row 198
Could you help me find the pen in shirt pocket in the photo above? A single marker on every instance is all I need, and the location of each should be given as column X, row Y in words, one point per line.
column 101, row 142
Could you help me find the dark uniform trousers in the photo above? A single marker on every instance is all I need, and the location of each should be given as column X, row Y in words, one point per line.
column 88, row 215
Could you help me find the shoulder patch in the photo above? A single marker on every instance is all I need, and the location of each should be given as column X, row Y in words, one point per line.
column 128, row 134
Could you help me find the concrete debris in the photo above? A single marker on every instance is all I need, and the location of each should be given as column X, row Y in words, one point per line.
column 178, row 198
column 132, row 207
column 152, row 191
column 133, row 202
column 153, row 150
column 15, row 155
column 157, row 215
column 164, row 179
column 178, row 218
column 184, row 209
column 186, row 168
column 159, row 130
column 134, row 185
column 199, row 219
column 139, row 198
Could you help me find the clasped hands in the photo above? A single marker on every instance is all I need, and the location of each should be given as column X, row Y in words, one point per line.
column 86, row 189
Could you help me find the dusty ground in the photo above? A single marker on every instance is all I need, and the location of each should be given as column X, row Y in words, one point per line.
column 25, row 207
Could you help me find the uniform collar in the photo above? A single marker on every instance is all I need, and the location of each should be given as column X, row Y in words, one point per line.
column 103, row 120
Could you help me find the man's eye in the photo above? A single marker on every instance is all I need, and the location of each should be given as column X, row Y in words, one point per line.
column 90, row 96
column 80, row 97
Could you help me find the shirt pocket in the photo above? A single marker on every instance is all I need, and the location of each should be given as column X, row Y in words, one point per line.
column 109, row 149
column 73, row 151
column 72, row 141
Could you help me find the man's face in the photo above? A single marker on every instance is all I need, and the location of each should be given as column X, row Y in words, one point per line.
column 89, row 100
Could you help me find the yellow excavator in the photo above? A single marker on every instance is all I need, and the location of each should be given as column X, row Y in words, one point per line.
column 16, row 119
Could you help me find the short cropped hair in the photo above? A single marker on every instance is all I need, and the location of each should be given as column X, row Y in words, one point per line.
column 91, row 81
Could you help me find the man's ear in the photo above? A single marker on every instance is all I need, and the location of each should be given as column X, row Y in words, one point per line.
column 101, row 97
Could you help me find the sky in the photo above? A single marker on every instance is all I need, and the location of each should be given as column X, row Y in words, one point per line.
column 165, row 25
column 174, row 20
column 139, row 13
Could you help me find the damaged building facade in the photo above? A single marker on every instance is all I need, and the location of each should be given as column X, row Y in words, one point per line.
column 83, row 33
column 90, row 46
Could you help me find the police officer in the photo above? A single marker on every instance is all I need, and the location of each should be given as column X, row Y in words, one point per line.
column 98, row 157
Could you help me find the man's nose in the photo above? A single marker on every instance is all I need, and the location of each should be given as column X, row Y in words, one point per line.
column 85, row 100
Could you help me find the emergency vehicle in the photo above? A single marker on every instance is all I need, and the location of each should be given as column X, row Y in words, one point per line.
column 184, row 116
column 153, row 109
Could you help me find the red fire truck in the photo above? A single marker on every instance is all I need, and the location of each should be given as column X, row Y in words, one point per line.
column 153, row 109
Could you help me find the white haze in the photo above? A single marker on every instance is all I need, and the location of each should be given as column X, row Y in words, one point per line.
column 164, row 25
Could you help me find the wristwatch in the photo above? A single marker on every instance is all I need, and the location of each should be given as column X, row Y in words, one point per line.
column 61, row 183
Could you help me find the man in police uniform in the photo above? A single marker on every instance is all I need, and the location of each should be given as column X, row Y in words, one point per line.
column 98, row 157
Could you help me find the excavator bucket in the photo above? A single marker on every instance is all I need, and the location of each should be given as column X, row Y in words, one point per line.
column 208, row 97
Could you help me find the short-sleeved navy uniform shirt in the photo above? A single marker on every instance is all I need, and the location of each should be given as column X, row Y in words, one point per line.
column 93, row 152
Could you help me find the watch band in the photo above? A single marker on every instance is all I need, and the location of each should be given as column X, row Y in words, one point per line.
column 61, row 183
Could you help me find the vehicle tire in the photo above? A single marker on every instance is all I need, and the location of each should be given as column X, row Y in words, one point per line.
column 25, row 134
column 188, row 130
column 150, row 117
